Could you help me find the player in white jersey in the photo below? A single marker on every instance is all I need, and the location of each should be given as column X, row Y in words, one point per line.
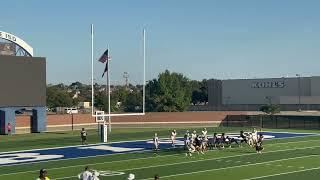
column 173, row 138
column 254, row 135
column 186, row 140
column 156, row 142
column 86, row 174
column 190, row 147
column 95, row 175
column 193, row 136
column 204, row 139
column 204, row 133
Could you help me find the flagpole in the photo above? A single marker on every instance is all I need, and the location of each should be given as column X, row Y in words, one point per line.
column 144, row 71
column 92, row 89
column 109, row 101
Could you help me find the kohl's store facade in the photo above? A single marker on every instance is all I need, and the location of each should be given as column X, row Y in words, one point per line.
column 291, row 93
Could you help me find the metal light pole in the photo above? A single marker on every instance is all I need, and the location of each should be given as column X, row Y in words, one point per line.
column 299, row 91
column 71, row 119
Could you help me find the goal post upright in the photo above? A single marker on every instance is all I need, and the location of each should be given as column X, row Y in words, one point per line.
column 109, row 115
column 144, row 72
column 92, row 88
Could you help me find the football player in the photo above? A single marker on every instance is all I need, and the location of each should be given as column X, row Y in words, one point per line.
column 259, row 146
column 173, row 138
column 156, row 142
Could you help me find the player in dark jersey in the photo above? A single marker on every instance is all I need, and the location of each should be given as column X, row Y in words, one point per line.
column 211, row 141
column 83, row 135
column 259, row 146
column 230, row 140
column 243, row 138
column 198, row 144
column 222, row 140
column 215, row 140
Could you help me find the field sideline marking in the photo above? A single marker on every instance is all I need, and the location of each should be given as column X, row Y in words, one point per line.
column 147, row 150
column 290, row 172
column 113, row 142
column 185, row 162
column 65, row 167
column 107, row 143
column 291, row 142
column 272, row 131
column 60, row 147
column 231, row 167
column 202, row 170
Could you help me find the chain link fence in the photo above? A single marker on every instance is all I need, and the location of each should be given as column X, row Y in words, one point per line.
column 272, row 122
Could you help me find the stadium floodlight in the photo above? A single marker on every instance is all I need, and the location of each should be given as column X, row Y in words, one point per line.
column 92, row 87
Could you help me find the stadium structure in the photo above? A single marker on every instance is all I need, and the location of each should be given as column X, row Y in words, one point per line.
column 23, row 84
column 291, row 93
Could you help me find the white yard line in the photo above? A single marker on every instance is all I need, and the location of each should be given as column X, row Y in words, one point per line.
column 248, row 164
column 60, row 147
column 292, row 142
column 218, row 159
column 147, row 150
column 231, row 167
column 291, row 132
column 91, row 164
column 285, row 173
column 185, row 162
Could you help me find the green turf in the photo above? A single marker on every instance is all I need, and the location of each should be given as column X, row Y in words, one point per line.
column 69, row 138
column 280, row 157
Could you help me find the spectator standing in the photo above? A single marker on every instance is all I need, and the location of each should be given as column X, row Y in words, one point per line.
column 43, row 175
column 9, row 128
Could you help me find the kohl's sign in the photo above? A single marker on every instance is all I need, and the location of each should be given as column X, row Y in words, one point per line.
column 268, row 84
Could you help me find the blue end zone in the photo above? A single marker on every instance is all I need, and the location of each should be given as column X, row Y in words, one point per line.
column 33, row 156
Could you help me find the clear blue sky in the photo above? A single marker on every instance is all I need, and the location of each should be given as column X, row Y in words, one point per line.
column 201, row 39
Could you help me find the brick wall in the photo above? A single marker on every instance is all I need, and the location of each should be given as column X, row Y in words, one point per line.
column 62, row 119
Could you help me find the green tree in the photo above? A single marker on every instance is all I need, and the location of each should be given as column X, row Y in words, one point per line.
column 133, row 102
column 199, row 92
column 152, row 88
column 171, row 92
column 101, row 102
column 270, row 109
column 57, row 97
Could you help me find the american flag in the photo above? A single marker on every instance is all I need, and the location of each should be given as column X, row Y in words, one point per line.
column 106, row 68
column 105, row 57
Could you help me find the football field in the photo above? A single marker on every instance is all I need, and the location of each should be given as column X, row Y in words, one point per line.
column 288, row 154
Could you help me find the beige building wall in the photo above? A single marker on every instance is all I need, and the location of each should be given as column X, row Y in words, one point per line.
column 263, row 91
column 315, row 86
